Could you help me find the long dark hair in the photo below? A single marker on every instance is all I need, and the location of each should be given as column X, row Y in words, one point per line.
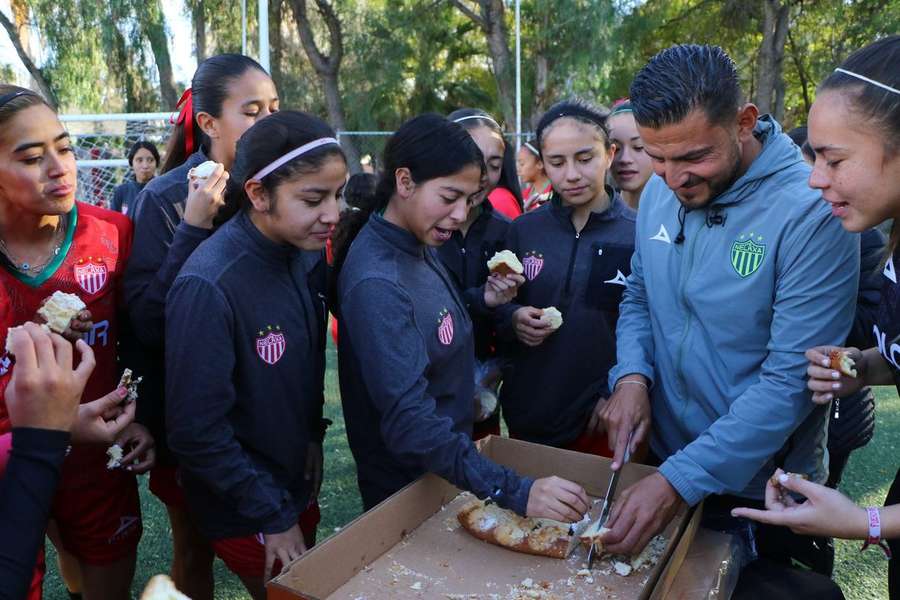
column 268, row 140
column 148, row 146
column 580, row 110
column 878, row 61
column 14, row 99
column 209, row 90
column 430, row 146
column 509, row 180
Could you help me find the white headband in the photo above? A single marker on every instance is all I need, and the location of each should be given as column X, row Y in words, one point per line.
column 867, row 80
column 292, row 155
column 485, row 117
column 532, row 148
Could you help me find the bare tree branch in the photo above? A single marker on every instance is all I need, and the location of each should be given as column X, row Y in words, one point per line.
column 32, row 68
column 470, row 13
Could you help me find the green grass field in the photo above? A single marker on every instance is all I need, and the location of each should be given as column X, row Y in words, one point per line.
column 866, row 479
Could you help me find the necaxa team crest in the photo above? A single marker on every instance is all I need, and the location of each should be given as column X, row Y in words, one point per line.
column 445, row 327
column 91, row 274
column 533, row 263
column 747, row 255
column 270, row 344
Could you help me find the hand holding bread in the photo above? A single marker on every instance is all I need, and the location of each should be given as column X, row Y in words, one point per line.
column 834, row 372
column 206, row 194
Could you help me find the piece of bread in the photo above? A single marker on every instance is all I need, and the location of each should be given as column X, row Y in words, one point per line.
column 841, row 361
column 591, row 536
column 9, row 339
column 485, row 404
column 160, row 587
column 505, row 262
column 203, row 170
column 774, row 478
column 542, row 537
column 553, row 317
column 115, row 454
column 60, row 309
column 128, row 382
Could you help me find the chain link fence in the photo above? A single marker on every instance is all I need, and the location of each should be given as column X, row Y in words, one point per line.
column 102, row 141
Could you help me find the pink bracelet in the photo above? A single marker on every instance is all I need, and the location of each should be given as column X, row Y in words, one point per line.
column 875, row 532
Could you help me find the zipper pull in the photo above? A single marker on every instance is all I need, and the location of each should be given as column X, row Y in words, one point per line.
column 577, row 234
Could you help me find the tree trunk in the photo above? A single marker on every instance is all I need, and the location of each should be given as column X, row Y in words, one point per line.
column 336, row 116
column 498, row 43
column 492, row 22
column 276, row 40
column 327, row 67
column 801, row 73
column 770, row 63
column 541, row 79
column 198, row 17
column 36, row 74
column 155, row 32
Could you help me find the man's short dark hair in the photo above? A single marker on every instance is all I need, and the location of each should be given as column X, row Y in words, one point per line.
column 682, row 78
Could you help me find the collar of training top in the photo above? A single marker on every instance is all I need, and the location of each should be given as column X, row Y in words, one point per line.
column 260, row 244
column 614, row 211
column 396, row 236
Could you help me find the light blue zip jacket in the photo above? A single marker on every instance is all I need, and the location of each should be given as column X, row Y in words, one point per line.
column 720, row 323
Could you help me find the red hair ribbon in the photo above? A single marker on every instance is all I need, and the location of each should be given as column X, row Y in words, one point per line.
column 186, row 119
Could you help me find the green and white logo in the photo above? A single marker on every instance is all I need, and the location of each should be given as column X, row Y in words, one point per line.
column 747, row 255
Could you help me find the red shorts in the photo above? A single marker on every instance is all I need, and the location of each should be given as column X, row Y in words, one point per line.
column 591, row 444
column 165, row 485
column 100, row 523
column 246, row 556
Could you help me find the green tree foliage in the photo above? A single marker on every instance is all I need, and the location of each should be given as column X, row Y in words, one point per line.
column 403, row 57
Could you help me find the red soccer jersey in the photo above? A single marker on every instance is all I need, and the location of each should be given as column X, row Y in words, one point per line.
column 90, row 264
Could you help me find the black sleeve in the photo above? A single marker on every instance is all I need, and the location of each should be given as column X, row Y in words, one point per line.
column 118, row 194
column 162, row 243
column 26, row 492
column 872, row 244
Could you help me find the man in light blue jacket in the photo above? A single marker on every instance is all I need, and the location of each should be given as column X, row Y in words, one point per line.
column 738, row 269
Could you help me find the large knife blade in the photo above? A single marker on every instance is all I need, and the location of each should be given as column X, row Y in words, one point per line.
column 610, row 495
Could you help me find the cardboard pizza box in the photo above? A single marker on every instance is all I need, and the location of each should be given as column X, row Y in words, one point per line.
column 410, row 546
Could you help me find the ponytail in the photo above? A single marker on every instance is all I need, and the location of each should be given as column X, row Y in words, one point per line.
column 208, row 92
column 429, row 146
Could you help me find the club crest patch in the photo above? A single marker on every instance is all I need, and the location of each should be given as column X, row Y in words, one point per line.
column 270, row 344
column 747, row 254
column 533, row 263
column 445, row 327
column 91, row 274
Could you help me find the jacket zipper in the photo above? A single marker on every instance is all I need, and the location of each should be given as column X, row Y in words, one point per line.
column 572, row 262
column 679, row 360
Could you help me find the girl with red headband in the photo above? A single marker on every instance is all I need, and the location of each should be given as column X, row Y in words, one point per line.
column 173, row 214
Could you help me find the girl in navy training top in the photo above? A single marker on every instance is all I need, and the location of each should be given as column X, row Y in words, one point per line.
column 502, row 188
column 406, row 354
column 228, row 94
column 466, row 253
column 576, row 250
column 245, row 351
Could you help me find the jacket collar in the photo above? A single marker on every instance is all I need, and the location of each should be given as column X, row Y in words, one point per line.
column 396, row 236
